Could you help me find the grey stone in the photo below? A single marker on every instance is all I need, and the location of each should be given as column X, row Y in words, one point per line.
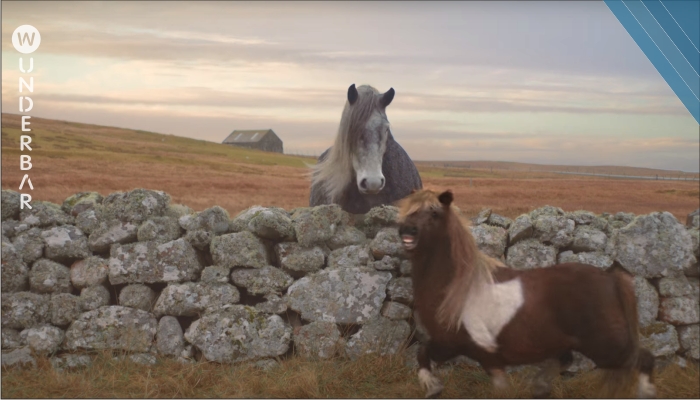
column 215, row 220
column 379, row 218
column 316, row 225
column 112, row 232
column 530, row 253
column 137, row 296
column 675, row 286
column 112, row 328
column 619, row 220
column 24, row 310
column 135, row 206
column 499, row 220
column 380, row 336
column 94, row 297
column 580, row 364
column 64, row 308
column 350, row 257
column 65, row 243
column 9, row 228
column 44, row 340
column 70, row 362
column 242, row 249
column 653, row 246
column 15, row 274
column 29, row 245
column 44, row 214
column 199, row 238
column 400, row 290
column 273, row 224
column 81, row 202
column 396, row 311
column 491, row 240
column 581, row 217
column 170, row 339
column 692, row 220
column 483, row 216
column 240, row 222
column 177, row 210
column 679, row 310
column 385, row 264
column 266, row 364
column 546, row 211
column 318, row 340
column 262, row 281
column 239, row 333
column 150, row 262
column 90, row 271
column 405, row 267
column 589, row 239
column 273, row 304
column 159, row 229
column 647, row 301
column 89, row 221
column 295, row 257
column 10, row 204
column 348, row 295
column 215, row 273
column 139, row 358
column 346, row 236
column 689, row 336
column 555, row 230
column 195, row 298
column 660, row 339
column 47, row 276
column 10, row 339
column 520, row 229
column 18, row 358
column 387, row 243
column 597, row 259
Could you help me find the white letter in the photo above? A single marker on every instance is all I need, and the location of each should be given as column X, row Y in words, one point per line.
column 24, row 141
column 31, row 65
column 26, row 179
column 30, row 86
column 23, row 161
column 25, row 123
column 26, row 198
column 31, row 104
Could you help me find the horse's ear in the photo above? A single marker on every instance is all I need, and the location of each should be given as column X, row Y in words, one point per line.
column 446, row 198
column 387, row 97
column 352, row 94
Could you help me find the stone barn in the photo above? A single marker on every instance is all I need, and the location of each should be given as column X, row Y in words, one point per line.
column 265, row 140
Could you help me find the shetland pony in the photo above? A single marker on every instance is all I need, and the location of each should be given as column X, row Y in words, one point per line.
column 473, row 305
column 365, row 167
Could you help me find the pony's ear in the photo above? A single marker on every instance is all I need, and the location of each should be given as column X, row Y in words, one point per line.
column 387, row 97
column 352, row 94
column 446, row 198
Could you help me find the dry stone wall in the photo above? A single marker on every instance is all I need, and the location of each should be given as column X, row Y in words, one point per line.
column 133, row 273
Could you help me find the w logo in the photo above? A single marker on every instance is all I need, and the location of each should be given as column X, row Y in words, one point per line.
column 26, row 39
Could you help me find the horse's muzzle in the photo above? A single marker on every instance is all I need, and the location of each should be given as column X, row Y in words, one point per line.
column 409, row 237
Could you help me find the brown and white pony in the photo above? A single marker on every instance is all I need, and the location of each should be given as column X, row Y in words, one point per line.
column 473, row 305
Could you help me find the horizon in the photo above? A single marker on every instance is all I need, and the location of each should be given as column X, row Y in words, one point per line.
column 548, row 83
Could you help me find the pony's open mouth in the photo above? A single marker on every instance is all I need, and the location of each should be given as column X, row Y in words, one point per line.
column 409, row 242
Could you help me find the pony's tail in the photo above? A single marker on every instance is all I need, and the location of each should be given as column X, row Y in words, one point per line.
column 618, row 383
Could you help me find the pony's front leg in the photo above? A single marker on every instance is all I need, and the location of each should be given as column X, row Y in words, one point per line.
column 499, row 380
column 426, row 353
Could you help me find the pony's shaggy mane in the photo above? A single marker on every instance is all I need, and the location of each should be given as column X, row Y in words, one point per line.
column 335, row 172
column 472, row 268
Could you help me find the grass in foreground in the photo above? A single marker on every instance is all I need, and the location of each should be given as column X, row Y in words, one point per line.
column 368, row 377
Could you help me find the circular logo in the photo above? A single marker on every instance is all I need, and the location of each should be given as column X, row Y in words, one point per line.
column 26, row 39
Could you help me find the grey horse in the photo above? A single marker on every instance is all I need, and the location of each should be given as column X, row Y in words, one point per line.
column 365, row 167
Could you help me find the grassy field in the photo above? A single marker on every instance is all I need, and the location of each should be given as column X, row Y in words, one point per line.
column 69, row 157
column 368, row 377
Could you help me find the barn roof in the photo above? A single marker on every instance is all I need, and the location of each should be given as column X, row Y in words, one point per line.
column 250, row 136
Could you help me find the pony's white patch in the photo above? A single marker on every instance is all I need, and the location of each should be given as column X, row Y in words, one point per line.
column 489, row 308
column 645, row 389
column 429, row 382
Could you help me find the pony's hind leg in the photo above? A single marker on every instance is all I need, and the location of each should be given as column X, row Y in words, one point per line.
column 426, row 353
column 542, row 384
column 645, row 363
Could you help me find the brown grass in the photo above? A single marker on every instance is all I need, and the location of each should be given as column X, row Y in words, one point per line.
column 69, row 158
column 368, row 377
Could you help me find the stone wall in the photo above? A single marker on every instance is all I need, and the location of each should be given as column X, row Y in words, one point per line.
column 133, row 273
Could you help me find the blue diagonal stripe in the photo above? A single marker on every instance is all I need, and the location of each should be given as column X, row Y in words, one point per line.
column 659, row 40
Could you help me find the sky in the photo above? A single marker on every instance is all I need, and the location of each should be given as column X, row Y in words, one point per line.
column 549, row 82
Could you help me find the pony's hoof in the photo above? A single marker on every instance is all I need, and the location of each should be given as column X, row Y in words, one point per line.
column 434, row 392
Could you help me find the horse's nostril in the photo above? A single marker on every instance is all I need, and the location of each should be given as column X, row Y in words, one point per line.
column 363, row 184
column 383, row 182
